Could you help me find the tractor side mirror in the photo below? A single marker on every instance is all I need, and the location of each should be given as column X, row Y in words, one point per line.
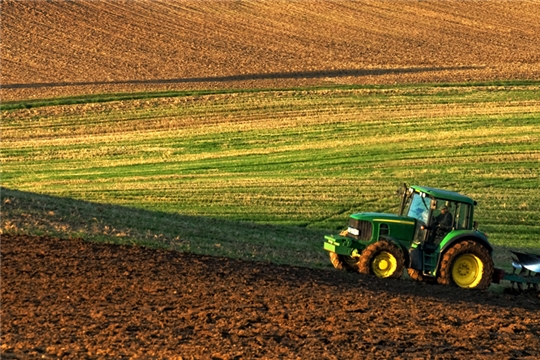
column 475, row 225
column 433, row 204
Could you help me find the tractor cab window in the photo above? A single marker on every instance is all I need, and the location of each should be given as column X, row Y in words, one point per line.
column 443, row 218
column 418, row 207
column 462, row 216
column 444, row 211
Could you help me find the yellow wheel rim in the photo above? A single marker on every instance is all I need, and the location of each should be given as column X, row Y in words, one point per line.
column 467, row 271
column 384, row 265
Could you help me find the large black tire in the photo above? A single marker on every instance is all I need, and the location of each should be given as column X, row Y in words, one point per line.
column 343, row 262
column 467, row 265
column 382, row 259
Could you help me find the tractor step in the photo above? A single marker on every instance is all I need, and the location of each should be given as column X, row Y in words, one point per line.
column 430, row 263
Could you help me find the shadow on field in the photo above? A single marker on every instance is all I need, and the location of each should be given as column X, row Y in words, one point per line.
column 37, row 214
column 245, row 77
column 294, row 251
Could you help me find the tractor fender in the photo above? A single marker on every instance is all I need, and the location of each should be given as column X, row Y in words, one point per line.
column 457, row 236
column 398, row 244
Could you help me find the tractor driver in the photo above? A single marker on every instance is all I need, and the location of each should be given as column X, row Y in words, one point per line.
column 443, row 222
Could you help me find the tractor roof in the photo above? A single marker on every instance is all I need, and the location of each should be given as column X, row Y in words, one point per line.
column 444, row 194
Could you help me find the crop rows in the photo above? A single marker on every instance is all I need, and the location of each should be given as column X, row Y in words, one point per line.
column 305, row 158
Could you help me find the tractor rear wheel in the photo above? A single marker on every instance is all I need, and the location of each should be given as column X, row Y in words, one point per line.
column 344, row 262
column 467, row 265
column 382, row 259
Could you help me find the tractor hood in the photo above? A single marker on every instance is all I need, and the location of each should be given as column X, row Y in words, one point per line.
column 384, row 218
column 399, row 228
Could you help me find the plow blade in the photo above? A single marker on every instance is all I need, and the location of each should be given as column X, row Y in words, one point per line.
column 528, row 261
column 526, row 271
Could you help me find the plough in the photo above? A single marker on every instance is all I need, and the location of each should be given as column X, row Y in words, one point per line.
column 526, row 272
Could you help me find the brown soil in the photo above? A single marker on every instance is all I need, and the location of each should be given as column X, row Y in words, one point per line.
column 59, row 48
column 74, row 300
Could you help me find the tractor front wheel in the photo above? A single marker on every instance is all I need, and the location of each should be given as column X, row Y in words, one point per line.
column 467, row 265
column 382, row 259
column 343, row 262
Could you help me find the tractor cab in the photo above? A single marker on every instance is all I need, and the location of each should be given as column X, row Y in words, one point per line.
column 437, row 213
column 443, row 219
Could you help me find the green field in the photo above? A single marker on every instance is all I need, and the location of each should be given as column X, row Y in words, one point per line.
column 264, row 174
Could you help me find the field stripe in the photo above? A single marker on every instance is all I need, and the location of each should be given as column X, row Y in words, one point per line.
column 305, row 158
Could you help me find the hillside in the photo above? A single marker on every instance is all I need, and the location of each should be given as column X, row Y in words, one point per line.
column 59, row 48
column 237, row 188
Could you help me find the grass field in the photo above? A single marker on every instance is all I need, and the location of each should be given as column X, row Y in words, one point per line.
column 264, row 174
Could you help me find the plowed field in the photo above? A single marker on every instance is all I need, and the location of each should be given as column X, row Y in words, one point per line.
column 72, row 299
column 53, row 48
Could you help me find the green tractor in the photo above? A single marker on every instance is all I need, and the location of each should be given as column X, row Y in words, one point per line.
column 434, row 236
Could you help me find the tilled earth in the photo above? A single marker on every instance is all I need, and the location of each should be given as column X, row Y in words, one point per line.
column 76, row 299
column 61, row 48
